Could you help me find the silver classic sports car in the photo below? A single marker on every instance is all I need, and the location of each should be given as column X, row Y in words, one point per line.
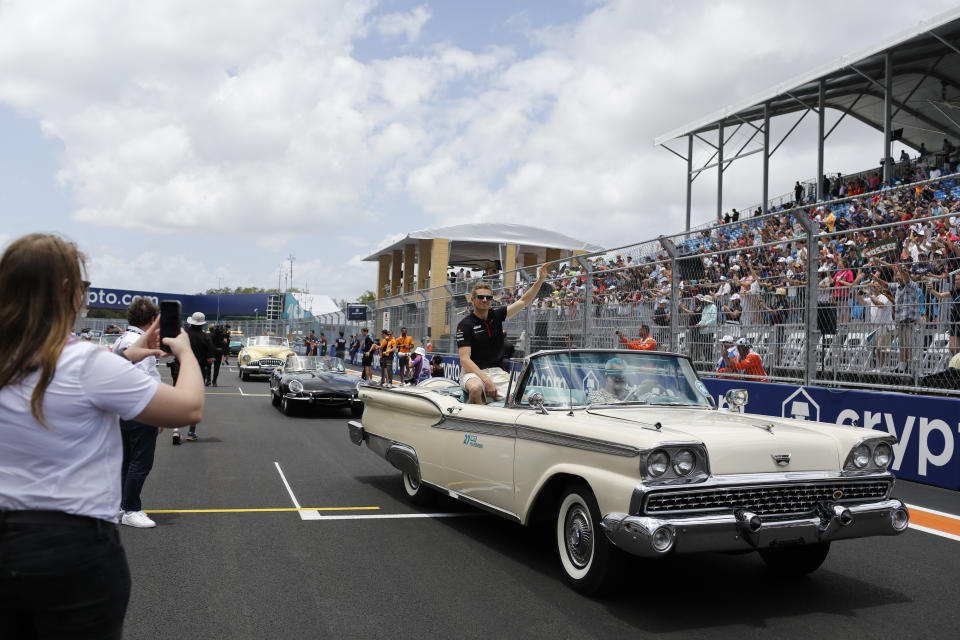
column 627, row 452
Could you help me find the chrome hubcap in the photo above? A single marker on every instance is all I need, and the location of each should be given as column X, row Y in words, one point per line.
column 579, row 536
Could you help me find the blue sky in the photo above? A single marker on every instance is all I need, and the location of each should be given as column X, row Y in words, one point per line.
column 184, row 144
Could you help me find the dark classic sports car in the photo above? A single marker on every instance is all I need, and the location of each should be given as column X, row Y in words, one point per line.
column 314, row 381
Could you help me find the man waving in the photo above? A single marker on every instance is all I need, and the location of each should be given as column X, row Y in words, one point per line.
column 480, row 341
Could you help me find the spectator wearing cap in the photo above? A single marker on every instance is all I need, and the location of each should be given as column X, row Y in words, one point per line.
column 749, row 362
column 419, row 369
column 879, row 313
column 732, row 312
column 727, row 349
column 202, row 347
column 707, row 326
column 906, row 299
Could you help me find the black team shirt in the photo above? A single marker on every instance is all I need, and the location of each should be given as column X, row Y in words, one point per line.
column 484, row 337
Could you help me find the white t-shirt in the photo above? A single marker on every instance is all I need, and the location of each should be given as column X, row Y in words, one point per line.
column 127, row 340
column 74, row 465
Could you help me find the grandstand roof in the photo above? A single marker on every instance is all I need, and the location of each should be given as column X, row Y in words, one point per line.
column 477, row 243
column 926, row 87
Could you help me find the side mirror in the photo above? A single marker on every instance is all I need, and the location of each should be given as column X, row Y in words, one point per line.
column 536, row 401
column 736, row 399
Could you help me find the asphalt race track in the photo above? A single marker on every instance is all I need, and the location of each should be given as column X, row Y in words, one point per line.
column 233, row 557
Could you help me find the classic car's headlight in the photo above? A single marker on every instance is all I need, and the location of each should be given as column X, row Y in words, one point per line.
column 657, row 463
column 882, row 455
column 861, row 456
column 684, row 462
column 296, row 386
column 245, row 357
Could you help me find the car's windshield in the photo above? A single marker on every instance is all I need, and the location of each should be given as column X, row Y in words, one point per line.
column 236, row 337
column 109, row 339
column 613, row 378
column 303, row 363
column 313, row 363
column 267, row 341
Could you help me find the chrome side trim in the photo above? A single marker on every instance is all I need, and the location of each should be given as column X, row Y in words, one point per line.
column 575, row 442
column 480, row 504
column 484, row 427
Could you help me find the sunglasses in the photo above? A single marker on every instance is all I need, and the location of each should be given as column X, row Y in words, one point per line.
column 616, row 377
column 86, row 284
column 484, row 297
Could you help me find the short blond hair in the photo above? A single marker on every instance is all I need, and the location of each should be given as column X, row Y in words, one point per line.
column 481, row 285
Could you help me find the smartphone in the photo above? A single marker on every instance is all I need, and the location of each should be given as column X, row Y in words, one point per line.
column 170, row 321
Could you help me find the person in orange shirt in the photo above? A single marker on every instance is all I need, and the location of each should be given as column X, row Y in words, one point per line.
column 749, row 362
column 644, row 343
column 404, row 346
column 387, row 347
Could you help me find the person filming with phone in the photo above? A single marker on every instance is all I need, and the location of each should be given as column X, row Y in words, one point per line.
column 63, row 570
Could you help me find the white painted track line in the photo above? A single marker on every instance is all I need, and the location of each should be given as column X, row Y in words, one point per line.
column 309, row 514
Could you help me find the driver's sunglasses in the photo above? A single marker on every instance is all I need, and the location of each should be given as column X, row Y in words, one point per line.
column 616, row 377
column 484, row 297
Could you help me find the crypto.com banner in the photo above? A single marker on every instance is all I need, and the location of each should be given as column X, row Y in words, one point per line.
column 245, row 304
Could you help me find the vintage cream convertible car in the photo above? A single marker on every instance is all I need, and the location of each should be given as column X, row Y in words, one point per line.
column 261, row 355
column 627, row 451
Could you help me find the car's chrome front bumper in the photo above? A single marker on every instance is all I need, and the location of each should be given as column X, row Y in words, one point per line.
column 257, row 369
column 743, row 530
column 320, row 397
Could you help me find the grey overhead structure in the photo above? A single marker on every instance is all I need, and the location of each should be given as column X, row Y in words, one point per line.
column 907, row 87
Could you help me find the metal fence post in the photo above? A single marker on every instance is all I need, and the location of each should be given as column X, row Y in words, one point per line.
column 587, row 307
column 671, row 250
column 811, row 333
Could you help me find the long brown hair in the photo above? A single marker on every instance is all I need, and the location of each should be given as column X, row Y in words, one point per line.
column 41, row 281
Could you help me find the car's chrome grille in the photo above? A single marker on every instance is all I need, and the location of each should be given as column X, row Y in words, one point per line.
column 776, row 499
column 270, row 362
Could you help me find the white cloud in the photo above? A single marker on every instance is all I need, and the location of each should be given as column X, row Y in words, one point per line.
column 407, row 24
column 252, row 114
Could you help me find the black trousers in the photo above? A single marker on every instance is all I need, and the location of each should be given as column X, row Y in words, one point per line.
column 218, row 356
column 139, row 446
column 62, row 581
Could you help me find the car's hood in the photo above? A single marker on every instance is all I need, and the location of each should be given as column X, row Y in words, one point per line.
column 256, row 353
column 323, row 381
column 742, row 443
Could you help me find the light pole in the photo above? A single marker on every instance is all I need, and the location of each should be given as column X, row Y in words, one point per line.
column 256, row 319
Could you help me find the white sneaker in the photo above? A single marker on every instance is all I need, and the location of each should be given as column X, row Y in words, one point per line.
column 137, row 519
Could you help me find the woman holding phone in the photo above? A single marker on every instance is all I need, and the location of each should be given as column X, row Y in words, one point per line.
column 63, row 570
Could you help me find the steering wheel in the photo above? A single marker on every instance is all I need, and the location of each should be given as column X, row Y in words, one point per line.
column 643, row 392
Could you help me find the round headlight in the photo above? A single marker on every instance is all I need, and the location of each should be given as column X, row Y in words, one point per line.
column 861, row 456
column 657, row 463
column 684, row 462
column 245, row 357
column 296, row 386
column 882, row 455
